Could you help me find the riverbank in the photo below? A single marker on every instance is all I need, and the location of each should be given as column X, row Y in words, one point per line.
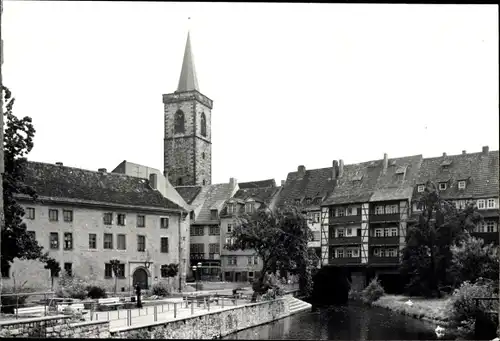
column 436, row 310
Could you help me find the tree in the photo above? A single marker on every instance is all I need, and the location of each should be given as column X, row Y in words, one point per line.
column 18, row 141
column 471, row 259
column 115, row 266
column 280, row 240
column 169, row 271
column 54, row 267
column 427, row 256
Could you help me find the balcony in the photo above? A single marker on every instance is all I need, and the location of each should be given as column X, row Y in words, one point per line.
column 378, row 218
column 488, row 237
column 374, row 260
column 383, row 241
column 345, row 261
column 344, row 219
column 344, row 241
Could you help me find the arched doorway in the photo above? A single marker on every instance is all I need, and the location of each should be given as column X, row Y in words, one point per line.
column 140, row 277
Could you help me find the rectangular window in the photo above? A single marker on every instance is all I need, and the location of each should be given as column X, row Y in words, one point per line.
column 164, row 223
column 358, row 232
column 394, row 231
column 232, row 260
column 392, row 252
column 379, row 232
column 316, row 236
column 250, row 260
column 387, row 232
column 230, row 208
column 461, row 185
column 107, row 218
column 491, row 226
column 68, row 241
column 164, row 244
column 53, row 215
column 491, row 203
column 92, row 241
column 108, row 271
column 420, row 188
column 442, row 186
column 68, row 268
column 229, row 228
column 382, row 252
column 249, row 207
column 68, row 216
column 340, row 233
column 54, row 240
column 108, row 241
column 214, row 248
column 349, row 253
column 121, row 242
column 349, row 211
column 120, row 271
column 340, row 253
column 376, row 252
column 214, row 230
column 481, row 204
column 141, row 243
column 340, row 212
column 316, row 217
column 379, row 210
column 256, row 260
column 141, row 221
column 355, row 252
column 348, row 232
column 213, row 214
column 30, row 213
column 120, row 219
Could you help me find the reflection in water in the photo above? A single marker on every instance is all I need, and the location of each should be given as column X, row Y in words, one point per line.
column 352, row 322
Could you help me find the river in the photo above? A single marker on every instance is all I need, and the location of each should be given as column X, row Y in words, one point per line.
column 350, row 322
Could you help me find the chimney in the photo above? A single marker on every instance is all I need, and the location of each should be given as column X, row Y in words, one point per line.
column 233, row 182
column 386, row 162
column 282, row 183
column 335, row 169
column 102, row 170
column 444, row 154
column 341, row 168
column 486, row 150
column 464, row 152
column 59, row 163
column 153, row 181
column 301, row 170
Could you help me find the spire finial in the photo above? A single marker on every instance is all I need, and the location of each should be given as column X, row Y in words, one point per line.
column 188, row 80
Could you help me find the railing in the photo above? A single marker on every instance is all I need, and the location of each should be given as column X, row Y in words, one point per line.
column 11, row 303
column 168, row 310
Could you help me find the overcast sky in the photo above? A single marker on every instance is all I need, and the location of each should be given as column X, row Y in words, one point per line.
column 292, row 84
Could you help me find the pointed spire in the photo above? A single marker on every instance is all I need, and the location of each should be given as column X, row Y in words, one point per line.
column 188, row 80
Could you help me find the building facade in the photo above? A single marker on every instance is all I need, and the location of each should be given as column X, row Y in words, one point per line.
column 188, row 136
column 84, row 219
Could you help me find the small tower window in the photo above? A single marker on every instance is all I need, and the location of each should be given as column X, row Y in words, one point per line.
column 461, row 184
column 442, row 186
column 203, row 125
column 179, row 122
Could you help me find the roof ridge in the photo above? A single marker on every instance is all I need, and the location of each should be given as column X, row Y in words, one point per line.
column 89, row 170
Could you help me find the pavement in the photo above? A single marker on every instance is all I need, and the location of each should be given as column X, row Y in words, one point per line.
column 165, row 312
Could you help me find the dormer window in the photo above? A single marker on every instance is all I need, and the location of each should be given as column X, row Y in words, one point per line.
column 400, row 170
column 420, row 188
column 191, row 215
column 308, row 201
column 442, row 186
column 213, row 214
column 249, row 207
column 340, row 212
column 230, row 208
column 461, row 184
column 297, row 202
column 317, row 201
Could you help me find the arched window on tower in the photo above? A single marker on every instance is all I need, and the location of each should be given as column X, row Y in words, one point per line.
column 203, row 125
column 179, row 122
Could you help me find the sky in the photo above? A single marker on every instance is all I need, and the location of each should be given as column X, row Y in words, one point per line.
column 292, row 84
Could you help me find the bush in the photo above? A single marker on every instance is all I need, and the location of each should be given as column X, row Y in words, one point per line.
column 354, row 295
column 372, row 292
column 161, row 289
column 71, row 287
column 96, row 292
column 464, row 308
column 9, row 302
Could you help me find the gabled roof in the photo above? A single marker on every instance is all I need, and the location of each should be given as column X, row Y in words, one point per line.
column 480, row 170
column 351, row 190
column 211, row 197
column 54, row 182
column 264, row 196
column 188, row 80
column 315, row 183
column 398, row 180
column 188, row 193
column 257, row 184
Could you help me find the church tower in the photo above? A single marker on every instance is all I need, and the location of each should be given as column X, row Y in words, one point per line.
column 188, row 135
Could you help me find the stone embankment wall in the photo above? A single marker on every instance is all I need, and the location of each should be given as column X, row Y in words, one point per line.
column 212, row 325
column 53, row 327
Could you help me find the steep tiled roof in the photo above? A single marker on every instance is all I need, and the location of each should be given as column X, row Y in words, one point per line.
column 188, row 193
column 480, row 170
column 357, row 184
column 316, row 183
column 263, row 195
column 398, row 180
column 61, row 182
column 211, row 197
column 257, row 184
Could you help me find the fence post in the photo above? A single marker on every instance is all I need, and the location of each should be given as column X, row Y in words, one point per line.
column 204, row 303
column 129, row 317
column 192, row 307
column 118, row 310
column 187, row 302
column 108, row 315
column 45, row 304
column 208, row 304
column 175, row 309
column 17, row 305
column 222, row 301
column 155, row 313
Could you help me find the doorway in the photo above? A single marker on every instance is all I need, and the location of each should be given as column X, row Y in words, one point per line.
column 140, row 277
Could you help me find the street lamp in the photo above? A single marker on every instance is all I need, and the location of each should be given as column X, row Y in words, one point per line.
column 195, row 282
column 199, row 272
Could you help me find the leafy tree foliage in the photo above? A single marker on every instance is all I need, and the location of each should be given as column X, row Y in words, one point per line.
column 427, row 255
column 18, row 141
column 280, row 240
column 471, row 259
column 54, row 267
column 169, row 270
